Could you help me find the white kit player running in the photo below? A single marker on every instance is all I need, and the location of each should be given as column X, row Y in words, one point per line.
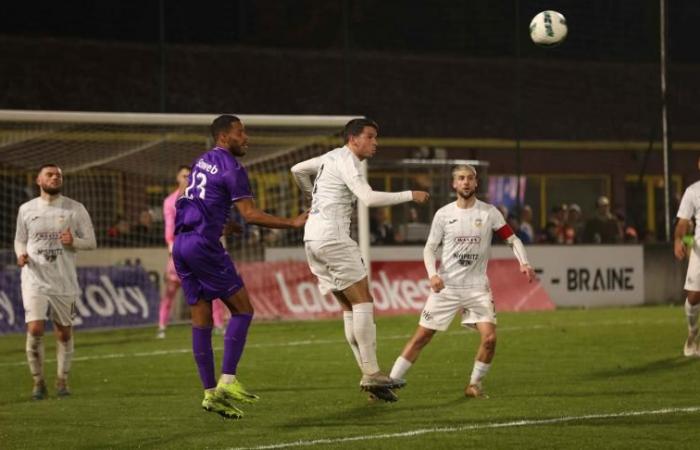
column 334, row 258
column 50, row 229
column 464, row 229
column 690, row 209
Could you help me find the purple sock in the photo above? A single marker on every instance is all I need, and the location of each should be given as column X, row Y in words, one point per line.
column 234, row 341
column 204, row 355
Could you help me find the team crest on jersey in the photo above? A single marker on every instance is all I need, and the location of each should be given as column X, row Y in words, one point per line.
column 427, row 315
column 468, row 239
column 477, row 222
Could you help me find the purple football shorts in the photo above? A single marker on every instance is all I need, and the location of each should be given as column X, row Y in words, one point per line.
column 205, row 268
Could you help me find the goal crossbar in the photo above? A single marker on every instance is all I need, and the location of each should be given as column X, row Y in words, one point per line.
column 128, row 118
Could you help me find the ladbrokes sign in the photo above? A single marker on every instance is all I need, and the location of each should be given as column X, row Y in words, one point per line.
column 288, row 290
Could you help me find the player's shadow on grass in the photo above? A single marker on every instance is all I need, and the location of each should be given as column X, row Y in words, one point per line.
column 661, row 365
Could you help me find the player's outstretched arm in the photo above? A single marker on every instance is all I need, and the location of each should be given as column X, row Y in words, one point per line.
column 302, row 173
column 255, row 216
column 369, row 197
column 680, row 251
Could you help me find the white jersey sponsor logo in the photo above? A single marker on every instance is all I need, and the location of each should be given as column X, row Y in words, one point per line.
column 465, row 236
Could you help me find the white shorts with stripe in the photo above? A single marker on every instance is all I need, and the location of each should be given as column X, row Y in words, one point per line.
column 475, row 304
column 39, row 306
column 336, row 264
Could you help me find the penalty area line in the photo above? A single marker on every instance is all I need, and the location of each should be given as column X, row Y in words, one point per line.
column 440, row 430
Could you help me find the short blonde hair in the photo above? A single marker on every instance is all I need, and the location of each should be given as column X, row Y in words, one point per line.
column 462, row 168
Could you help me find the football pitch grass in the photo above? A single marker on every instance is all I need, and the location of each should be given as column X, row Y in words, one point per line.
column 606, row 378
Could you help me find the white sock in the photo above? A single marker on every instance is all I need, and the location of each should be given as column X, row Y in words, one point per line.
column 400, row 368
column 366, row 336
column 478, row 372
column 227, row 378
column 35, row 356
column 350, row 337
column 64, row 357
column 691, row 314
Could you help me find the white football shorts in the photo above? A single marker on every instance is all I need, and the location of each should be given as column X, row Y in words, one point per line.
column 39, row 306
column 476, row 306
column 336, row 264
column 692, row 277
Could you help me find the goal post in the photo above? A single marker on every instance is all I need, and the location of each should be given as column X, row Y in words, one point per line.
column 122, row 166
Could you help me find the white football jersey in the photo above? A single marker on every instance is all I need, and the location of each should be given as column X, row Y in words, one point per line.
column 338, row 182
column 465, row 236
column 51, row 267
column 690, row 206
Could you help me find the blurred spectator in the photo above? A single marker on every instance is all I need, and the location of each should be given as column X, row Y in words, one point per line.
column 380, row 230
column 554, row 229
column 574, row 232
column 272, row 237
column 603, row 228
column 629, row 232
column 119, row 234
column 526, row 224
column 413, row 230
column 514, row 223
column 144, row 232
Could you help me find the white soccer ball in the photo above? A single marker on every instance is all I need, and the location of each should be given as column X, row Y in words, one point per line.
column 548, row 29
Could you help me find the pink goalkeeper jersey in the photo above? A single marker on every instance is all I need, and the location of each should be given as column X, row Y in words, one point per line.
column 169, row 217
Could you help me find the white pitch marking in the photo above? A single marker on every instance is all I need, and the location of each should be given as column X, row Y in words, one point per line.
column 516, row 423
column 341, row 341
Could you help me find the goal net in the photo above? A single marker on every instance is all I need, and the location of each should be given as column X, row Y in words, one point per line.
column 121, row 167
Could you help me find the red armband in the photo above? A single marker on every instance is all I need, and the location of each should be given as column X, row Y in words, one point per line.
column 504, row 232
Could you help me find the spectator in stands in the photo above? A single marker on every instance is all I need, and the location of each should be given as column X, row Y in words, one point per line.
column 271, row 236
column 119, row 234
column 380, row 229
column 526, row 227
column 514, row 223
column 629, row 232
column 553, row 232
column 603, row 228
column 414, row 230
column 574, row 231
column 145, row 232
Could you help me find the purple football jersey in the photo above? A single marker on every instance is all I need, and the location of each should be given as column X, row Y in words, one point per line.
column 217, row 179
